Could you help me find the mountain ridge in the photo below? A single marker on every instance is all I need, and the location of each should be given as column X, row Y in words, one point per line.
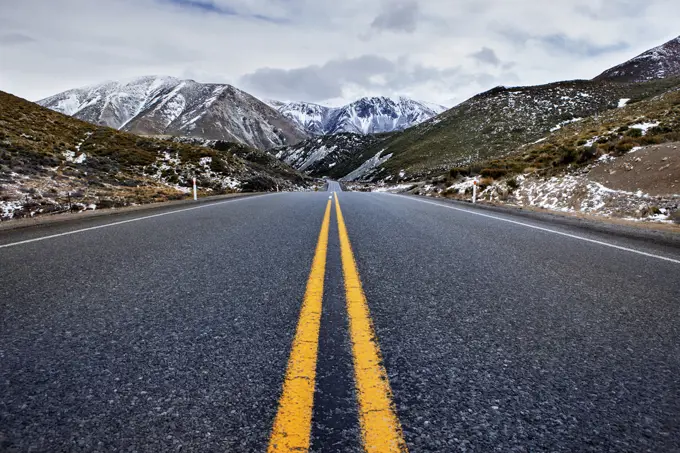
column 367, row 115
column 156, row 105
column 657, row 63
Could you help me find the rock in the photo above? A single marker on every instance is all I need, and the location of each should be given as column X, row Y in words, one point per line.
column 627, row 166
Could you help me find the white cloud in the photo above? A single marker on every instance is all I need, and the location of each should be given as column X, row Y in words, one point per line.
column 318, row 49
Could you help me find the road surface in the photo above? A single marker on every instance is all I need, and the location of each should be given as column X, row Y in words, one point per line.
column 270, row 323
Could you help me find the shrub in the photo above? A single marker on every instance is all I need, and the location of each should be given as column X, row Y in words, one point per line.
column 624, row 146
column 634, row 133
column 587, row 154
column 219, row 166
column 493, row 173
column 568, row 156
column 513, row 184
column 485, row 182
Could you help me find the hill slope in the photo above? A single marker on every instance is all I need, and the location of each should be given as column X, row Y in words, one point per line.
column 495, row 123
column 370, row 115
column 165, row 105
column 657, row 63
column 44, row 155
column 622, row 163
column 332, row 155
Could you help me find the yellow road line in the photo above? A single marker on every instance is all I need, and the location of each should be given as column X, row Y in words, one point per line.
column 380, row 428
column 293, row 421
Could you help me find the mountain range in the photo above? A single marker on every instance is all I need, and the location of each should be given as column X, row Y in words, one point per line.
column 403, row 137
column 369, row 115
column 169, row 106
column 156, row 105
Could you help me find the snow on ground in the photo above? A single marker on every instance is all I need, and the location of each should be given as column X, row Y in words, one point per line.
column 463, row 186
column 8, row 208
column 576, row 193
column 644, row 127
column 70, row 156
column 623, row 102
column 394, row 189
column 564, row 123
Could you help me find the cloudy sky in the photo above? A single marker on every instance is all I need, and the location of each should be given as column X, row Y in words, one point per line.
column 326, row 51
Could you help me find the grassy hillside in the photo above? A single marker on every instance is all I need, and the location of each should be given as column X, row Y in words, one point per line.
column 615, row 132
column 497, row 122
column 45, row 155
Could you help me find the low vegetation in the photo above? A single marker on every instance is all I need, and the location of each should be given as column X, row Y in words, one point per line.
column 614, row 133
column 51, row 162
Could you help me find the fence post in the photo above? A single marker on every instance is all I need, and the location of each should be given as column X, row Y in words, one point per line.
column 195, row 193
column 474, row 191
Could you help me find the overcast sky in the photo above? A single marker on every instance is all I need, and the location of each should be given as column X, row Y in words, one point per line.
column 325, row 51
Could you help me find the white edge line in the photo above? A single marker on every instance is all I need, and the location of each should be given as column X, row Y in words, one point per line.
column 67, row 233
column 548, row 230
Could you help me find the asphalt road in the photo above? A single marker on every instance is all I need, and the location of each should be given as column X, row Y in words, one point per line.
column 334, row 186
column 173, row 332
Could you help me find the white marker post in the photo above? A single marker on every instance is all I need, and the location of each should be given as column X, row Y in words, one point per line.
column 474, row 191
column 195, row 193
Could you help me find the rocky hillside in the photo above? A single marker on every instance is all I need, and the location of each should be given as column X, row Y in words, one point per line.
column 657, row 63
column 331, row 155
column 494, row 124
column 45, row 156
column 371, row 115
column 165, row 105
column 623, row 163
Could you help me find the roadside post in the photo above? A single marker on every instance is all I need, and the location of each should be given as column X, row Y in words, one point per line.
column 195, row 193
column 474, row 191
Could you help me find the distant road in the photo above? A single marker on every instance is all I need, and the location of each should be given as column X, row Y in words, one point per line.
column 334, row 186
column 258, row 324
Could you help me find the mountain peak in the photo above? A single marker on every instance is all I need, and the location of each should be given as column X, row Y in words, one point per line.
column 657, row 63
column 367, row 115
column 162, row 105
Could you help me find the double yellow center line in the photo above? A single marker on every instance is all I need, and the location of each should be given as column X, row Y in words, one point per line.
column 380, row 428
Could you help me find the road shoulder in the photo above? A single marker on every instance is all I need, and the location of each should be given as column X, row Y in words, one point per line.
column 67, row 218
column 666, row 235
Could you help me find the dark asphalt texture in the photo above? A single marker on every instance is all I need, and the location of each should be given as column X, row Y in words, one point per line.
column 172, row 333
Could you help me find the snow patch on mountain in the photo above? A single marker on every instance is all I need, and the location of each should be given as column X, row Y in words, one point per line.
column 368, row 115
column 657, row 63
column 155, row 105
column 368, row 168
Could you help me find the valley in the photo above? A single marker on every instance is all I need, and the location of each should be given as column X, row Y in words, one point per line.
column 283, row 243
column 516, row 139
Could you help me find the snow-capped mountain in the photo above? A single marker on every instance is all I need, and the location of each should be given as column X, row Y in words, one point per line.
column 368, row 115
column 658, row 63
column 169, row 106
